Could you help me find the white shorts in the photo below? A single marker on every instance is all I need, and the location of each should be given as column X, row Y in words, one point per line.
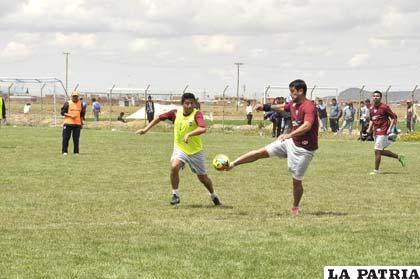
column 381, row 142
column 298, row 158
column 195, row 161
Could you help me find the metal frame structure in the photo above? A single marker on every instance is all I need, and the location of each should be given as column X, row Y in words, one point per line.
column 268, row 87
column 43, row 81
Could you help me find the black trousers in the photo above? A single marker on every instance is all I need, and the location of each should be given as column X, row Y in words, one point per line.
column 68, row 130
column 249, row 118
column 150, row 116
column 334, row 124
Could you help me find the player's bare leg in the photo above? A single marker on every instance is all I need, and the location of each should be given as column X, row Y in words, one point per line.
column 249, row 157
column 205, row 179
column 297, row 196
column 175, row 167
column 377, row 159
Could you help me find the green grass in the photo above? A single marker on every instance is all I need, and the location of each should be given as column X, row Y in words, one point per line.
column 106, row 213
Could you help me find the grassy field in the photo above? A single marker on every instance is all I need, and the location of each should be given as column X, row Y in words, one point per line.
column 106, row 213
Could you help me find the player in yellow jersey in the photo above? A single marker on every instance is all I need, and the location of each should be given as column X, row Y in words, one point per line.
column 189, row 124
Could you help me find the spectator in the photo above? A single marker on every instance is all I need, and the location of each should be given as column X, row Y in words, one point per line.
column 121, row 117
column 26, row 108
column 411, row 117
column 335, row 115
column 249, row 112
column 348, row 115
column 73, row 113
column 150, row 109
column 2, row 111
column 364, row 121
column 286, row 119
column 322, row 114
column 96, row 109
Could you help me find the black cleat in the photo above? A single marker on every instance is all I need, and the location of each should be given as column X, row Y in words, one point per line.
column 216, row 201
column 175, row 199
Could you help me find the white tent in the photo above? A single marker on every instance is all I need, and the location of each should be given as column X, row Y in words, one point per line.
column 159, row 109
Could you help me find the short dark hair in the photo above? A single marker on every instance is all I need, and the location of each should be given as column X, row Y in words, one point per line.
column 333, row 99
column 367, row 101
column 299, row 84
column 377, row 91
column 187, row 96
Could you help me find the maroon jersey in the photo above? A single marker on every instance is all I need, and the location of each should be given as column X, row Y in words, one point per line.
column 300, row 113
column 171, row 115
column 380, row 116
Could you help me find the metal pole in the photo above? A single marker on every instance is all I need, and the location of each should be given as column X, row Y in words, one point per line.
column 8, row 90
column 42, row 108
column 67, row 69
column 413, row 108
column 237, row 86
column 360, row 99
column 185, row 89
column 386, row 94
column 110, row 104
column 312, row 91
column 265, row 94
column 145, row 100
column 75, row 88
column 223, row 109
column 55, row 110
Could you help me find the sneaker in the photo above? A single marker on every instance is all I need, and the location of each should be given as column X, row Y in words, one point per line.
column 216, row 201
column 401, row 159
column 294, row 211
column 64, row 154
column 175, row 199
column 374, row 172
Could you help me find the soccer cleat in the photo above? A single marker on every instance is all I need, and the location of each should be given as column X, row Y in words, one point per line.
column 175, row 199
column 216, row 201
column 294, row 211
column 374, row 172
column 401, row 159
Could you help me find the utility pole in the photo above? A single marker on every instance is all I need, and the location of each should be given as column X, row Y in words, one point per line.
column 67, row 70
column 237, row 86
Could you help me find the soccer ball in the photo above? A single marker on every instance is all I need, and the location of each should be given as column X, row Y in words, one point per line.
column 221, row 162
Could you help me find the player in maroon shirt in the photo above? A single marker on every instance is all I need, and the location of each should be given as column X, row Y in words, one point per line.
column 298, row 146
column 382, row 120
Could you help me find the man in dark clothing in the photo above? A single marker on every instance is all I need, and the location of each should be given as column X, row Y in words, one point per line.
column 74, row 114
column 150, row 109
column 2, row 111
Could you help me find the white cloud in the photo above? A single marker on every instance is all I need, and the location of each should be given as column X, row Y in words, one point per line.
column 378, row 43
column 14, row 52
column 359, row 60
column 214, row 44
column 85, row 41
column 142, row 44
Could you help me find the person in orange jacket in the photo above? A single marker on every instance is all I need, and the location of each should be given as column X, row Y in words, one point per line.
column 74, row 114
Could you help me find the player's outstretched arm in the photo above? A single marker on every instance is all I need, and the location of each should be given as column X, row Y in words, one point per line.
column 269, row 107
column 148, row 127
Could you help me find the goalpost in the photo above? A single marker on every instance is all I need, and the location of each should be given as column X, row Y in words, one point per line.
column 41, row 84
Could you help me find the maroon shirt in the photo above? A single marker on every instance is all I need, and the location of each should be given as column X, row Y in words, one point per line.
column 380, row 117
column 300, row 113
column 171, row 115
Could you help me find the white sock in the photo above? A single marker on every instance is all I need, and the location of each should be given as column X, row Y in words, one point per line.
column 213, row 195
column 175, row 192
column 232, row 165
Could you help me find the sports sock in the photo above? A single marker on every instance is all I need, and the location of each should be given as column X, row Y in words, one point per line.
column 213, row 195
column 175, row 192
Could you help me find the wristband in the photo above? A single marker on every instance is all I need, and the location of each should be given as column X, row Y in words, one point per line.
column 266, row 107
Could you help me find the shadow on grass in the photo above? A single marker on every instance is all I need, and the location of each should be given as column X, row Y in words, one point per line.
column 208, row 206
column 325, row 213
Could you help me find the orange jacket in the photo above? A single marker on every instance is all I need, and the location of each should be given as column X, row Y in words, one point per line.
column 74, row 113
